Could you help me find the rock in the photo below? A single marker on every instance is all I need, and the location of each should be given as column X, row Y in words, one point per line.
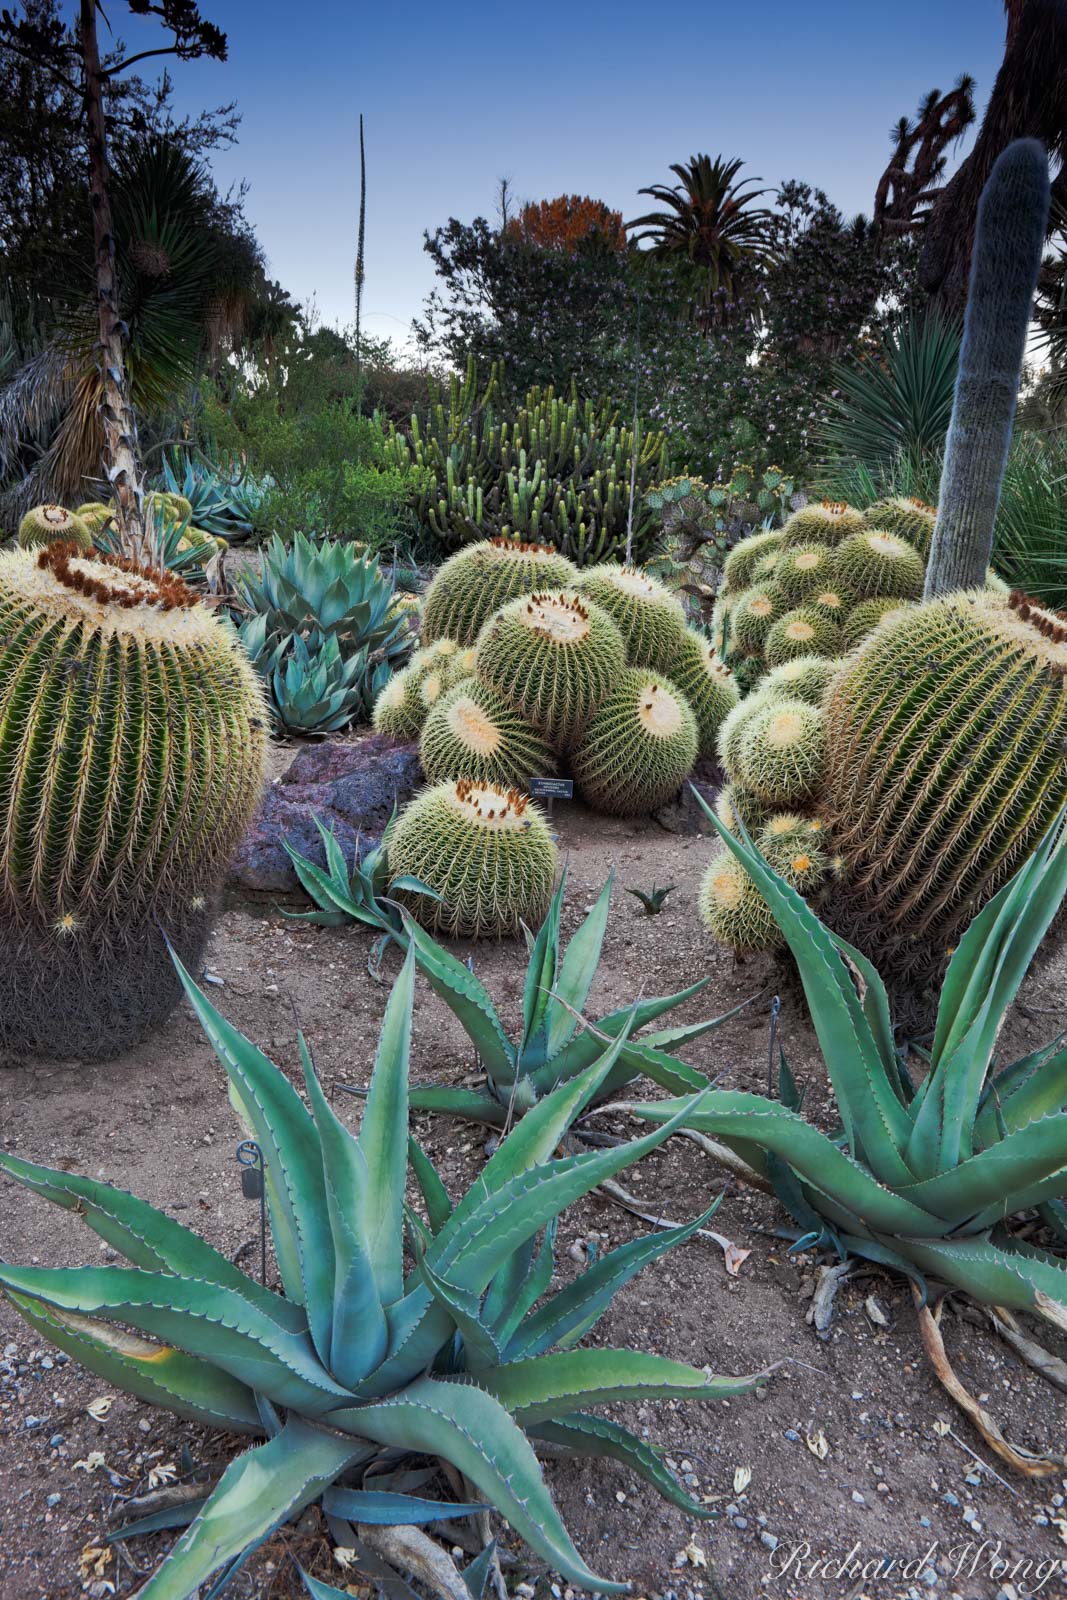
column 683, row 815
column 352, row 787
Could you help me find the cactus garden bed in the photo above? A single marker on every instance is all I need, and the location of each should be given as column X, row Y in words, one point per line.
column 877, row 1472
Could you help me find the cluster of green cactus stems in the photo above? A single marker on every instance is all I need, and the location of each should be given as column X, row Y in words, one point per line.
column 132, row 745
column 555, row 470
column 596, row 674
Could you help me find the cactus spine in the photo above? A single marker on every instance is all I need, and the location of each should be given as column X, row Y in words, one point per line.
column 132, row 747
column 52, row 525
column 478, row 580
column 1009, row 240
column 486, row 850
column 650, row 619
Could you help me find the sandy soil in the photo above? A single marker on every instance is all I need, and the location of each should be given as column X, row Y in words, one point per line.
column 882, row 1481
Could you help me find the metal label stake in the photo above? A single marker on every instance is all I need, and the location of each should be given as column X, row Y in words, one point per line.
column 253, row 1187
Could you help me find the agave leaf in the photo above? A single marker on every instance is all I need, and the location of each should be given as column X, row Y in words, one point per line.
column 461, row 991
column 997, row 1176
column 382, row 1508
column 475, row 1433
column 542, row 1387
column 576, row 973
column 433, row 1191
column 286, row 1134
column 359, row 1335
column 640, row 1056
column 574, row 1310
column 147, row 1237
column 877, row 1125
column 464, row 1308
column 172, row 1517
column 597, row 1436
column 476, row 1575
column 253, row 1497
column 328, row 893
column 200, row 1318
column 1019, row 1280
column 155, row 1373
column 735, row 1115
column 451, row 1102
column 1035, row 1088
column 540, row 978
column 535, row 1284
column 383, row 1138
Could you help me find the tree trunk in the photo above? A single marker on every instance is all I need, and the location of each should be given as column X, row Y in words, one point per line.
column 1029, row 101
column 116, row 413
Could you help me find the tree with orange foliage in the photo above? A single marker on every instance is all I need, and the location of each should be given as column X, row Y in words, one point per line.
column 565, row 223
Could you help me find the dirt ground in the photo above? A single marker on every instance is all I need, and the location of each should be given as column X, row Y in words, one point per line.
column 850, row 1464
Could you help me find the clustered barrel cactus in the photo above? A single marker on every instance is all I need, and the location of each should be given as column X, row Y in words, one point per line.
column 132, row 744
column 363, row 1362
column 555, row 471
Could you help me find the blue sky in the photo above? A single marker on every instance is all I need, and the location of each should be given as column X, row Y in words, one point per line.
column 588, row 97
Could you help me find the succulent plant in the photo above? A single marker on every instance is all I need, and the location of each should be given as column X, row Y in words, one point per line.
column 650, row 619
column 474, row 732
column 752, row 617
column 732, row 908
column 946, row 762
column 793, row 846
column 406, row 699
column 708, row 686
column 739, row 568
column 732, row 728
column 908, row 518
column 361, row 1367
column 316, row 690
column 804, row 631
column 555, row 656
column 864, row 618
column 485, row 850
column 874, row 565
column 555, row 470
column 803, row 678
column 481, row 578
column 217, row 502
column 551, row 1049
column 828, row 522
column 52, row 525
column 804, row 570
column 927, row 1180
column 782, row 751
column 132, row 744
column 638, row 748
column 734, row 804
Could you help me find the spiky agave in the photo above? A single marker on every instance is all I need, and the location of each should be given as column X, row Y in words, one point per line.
column 927, row 1178
column 361, row 1358
column 550, row 1049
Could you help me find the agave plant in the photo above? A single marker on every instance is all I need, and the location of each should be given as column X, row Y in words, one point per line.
column 313, row 688
column 365, row 1360
column 923, row 1178
column 551, row 1050
column 172, row 549
column 219, row 506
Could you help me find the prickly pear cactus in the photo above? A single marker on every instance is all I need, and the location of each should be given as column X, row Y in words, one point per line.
column 132, row 743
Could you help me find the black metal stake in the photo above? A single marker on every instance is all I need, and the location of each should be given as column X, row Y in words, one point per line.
column 776, row 1006
column 253, row 1187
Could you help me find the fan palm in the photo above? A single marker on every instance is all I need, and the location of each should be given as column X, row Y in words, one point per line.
column 709, row 223
column 180, row 290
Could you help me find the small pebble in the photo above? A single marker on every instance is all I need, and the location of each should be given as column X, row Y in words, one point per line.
column 741, row 1523
column 53, row 1500
column 769, row 1541
column 858, row 1498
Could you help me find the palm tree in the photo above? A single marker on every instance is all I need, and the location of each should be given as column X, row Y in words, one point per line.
column 709, row 224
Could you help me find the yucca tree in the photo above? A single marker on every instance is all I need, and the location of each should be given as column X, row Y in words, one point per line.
column 710, row 223
column 461, row 1353
column 926, row 1179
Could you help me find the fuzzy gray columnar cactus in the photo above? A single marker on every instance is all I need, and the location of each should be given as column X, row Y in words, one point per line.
column 1012, row 221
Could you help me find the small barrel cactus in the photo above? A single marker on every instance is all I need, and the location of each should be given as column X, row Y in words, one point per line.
column 732, row 908
column 781, row 752
column 739, row 568
column 473, row 732
column 909, row 519
column 828, row 522
column 707, row 685
column 481, row 578
column 874, row 565
column 793, row 845
column 133, row 734
column 804, row 570
column 946, row 762
column 555, row 656
column 864, row 618
column 52, row 525
column 804, row 631
column 753, row 617
column 485, row 850
column 638, row 748
column 803, row 678
column 409, row 696
column 650, row 618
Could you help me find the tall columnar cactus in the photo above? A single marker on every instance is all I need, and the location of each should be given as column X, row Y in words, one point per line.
column 1009, row 240
column 132, row 742
column 555, row 657
column 485, row 851
column 481, row 578
column 946, row 761
column 638, row 748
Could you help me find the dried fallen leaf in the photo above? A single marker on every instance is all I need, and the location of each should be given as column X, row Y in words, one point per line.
column 695, row 1555
column 92, row 1462
column 818, row 1444
column 165, row 1472
column 873, row 1308
column 941, row 1427
column 99, row 1408
column 742, row 1479
column 94, row 1562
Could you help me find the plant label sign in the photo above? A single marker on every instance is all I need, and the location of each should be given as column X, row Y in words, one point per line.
column 551, row 789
